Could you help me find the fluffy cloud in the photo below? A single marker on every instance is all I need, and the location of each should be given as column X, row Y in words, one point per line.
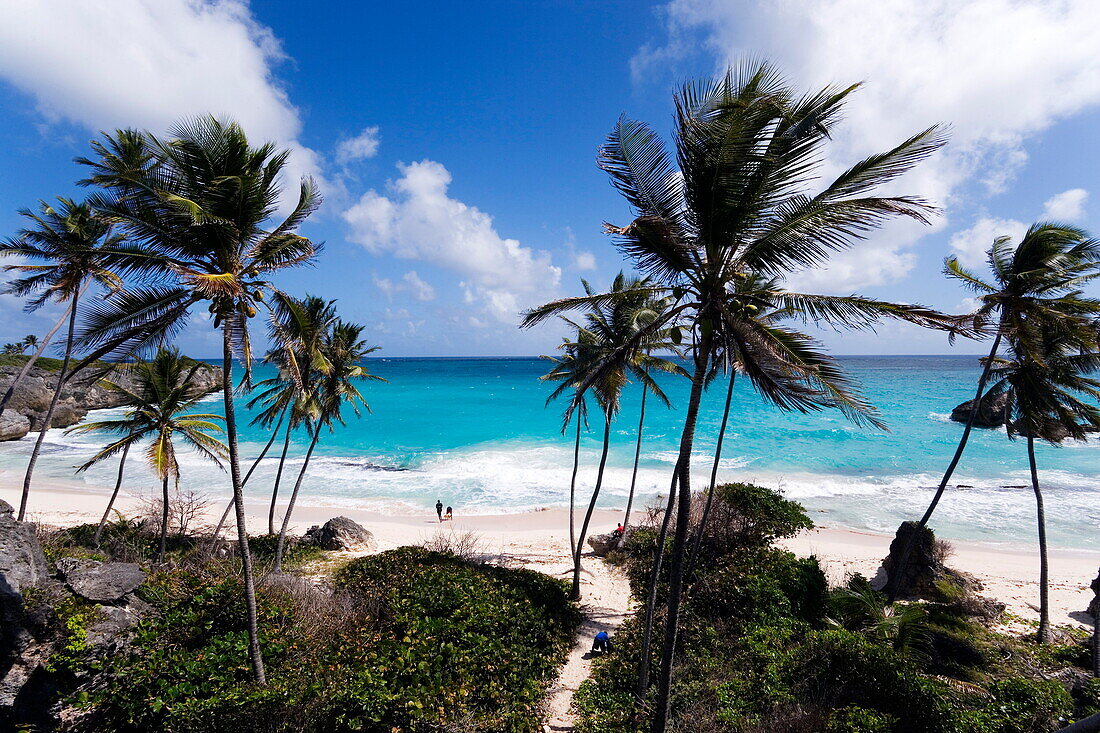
column 584, row 261
column 999, row 71
column 149, row 63
column 362, row 146
column 970, row 245
column 410, row 283
column 1066, row 206
column 418, row 220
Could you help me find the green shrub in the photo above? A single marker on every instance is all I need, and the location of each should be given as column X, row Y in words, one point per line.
column 854, row 719
column 295, row 552
column 1022, row 705
column 414, row 641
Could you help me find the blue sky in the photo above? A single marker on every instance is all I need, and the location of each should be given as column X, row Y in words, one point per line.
column 455, row 142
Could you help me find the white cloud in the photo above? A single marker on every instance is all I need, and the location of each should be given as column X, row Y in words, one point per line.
column 584, row 261
column 410, row 283
column 150, row 63
column 418, row 220
column 970, row 245
column 999, row 71
column 1066, row 206
column 362, row 146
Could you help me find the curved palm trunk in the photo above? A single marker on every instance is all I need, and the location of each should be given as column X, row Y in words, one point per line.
column 255, row 463
column 1044, row 582
column 254, row 653
column 44, row 428
column 634, row 475
column 573, row 487
column 294, row 497
column 278, row 478
column 651, row 598
column 899, row 571
column 111, row 501
column 575, row 590
column 680, row 537
column 697, row 545
column 34, row 357
column 163, row 519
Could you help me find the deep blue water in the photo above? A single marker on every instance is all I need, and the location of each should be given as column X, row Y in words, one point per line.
column 476, row 433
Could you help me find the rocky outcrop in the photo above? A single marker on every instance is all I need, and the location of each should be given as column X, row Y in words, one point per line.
column 925, row 575
column 102, row 582
column 84, row 392
column 991, row 412
column 31, row 631
column 340, row 533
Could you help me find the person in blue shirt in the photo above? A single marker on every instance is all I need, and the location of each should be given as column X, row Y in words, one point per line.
column 602, row 643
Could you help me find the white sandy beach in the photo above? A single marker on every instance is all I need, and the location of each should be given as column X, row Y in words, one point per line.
column 540, row 539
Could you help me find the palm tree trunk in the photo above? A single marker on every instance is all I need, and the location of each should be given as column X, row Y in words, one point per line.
column 163, row 519
column 899, row 572
column 1044, row 581
column 697, row 545
column 254, row 653
column 1096, row 626
column 49, row 412
column 255, row 463
column 573, row 486
column 634, row 475
column 278, row 478
column 575, row 590
column 111, row 501
column 679, row 545
column 294, row 497
column 651, row 598
column 26, row 368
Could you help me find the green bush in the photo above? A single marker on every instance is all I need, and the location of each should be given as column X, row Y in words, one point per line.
column 854, row 719
column 1022, row 705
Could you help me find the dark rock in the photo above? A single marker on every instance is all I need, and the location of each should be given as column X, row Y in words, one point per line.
column 925, row 568
column 102, row 582
column 340, row 533
column 85, row 392
column 991, row 412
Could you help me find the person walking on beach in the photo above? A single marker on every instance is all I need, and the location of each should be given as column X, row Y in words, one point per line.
column 439, row 509
column 450, row 515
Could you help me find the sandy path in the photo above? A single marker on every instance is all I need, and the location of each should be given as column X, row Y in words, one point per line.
column 606, row 602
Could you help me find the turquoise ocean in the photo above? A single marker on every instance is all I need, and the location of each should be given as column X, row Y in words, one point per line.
column 476, row 433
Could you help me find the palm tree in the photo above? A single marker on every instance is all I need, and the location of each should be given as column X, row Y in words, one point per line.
column 298, row 328
column 343, row 350
column 740, row 206
column 199, row 208
column 66, row 249
column 162, row 392
column 569, row 369
column 29, row 341
column 606, row 329
column 1036, row 281
column 1049, row 397
column 654, row 309
column 11, row 349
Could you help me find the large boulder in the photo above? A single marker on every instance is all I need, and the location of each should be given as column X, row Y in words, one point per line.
column 991, row 411
column 925, row 570
column 22, row 564
column 13, row 426
column 602, row 544
column 102, row 582
column 340, row 533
